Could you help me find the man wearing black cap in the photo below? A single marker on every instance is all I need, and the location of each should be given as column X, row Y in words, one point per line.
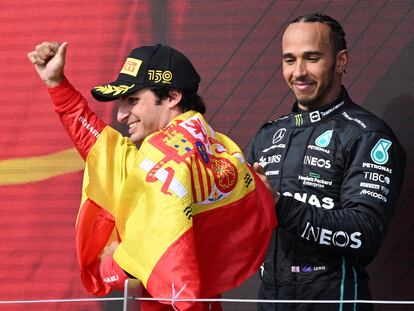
column 148, row 86
column 165, row 205
column 136, row 75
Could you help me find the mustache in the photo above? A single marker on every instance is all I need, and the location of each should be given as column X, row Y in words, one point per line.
column 303, row 80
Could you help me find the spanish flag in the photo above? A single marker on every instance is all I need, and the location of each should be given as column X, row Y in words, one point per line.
column 192, row 218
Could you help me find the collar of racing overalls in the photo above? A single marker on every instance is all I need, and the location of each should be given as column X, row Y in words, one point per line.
column 303, row 118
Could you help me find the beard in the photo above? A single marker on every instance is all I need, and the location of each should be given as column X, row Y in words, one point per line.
column 322, row 90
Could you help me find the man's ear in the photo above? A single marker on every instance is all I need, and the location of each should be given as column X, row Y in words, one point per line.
column 341, row 61
column 174, row 97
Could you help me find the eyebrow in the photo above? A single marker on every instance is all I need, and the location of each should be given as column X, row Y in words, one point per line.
column 307, row 53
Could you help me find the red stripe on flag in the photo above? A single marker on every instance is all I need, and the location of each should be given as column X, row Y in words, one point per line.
column 209, row 183
column 224, row 247
column 200, row 180
column 193, row 189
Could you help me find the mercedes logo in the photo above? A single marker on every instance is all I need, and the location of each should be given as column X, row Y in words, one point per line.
column 278, row 135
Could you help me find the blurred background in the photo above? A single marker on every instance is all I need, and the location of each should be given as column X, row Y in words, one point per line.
column 236, row 48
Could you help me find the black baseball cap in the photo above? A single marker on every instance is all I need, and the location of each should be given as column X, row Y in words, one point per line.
column 150, row 66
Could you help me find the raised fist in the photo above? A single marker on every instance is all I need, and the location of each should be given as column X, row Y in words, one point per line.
column 49, row 60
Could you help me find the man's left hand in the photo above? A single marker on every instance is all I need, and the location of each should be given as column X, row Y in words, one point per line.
column 109, row 250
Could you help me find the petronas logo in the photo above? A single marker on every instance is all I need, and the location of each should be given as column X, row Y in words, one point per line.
column 379, row 154
column 324, row 139
column 298, row 120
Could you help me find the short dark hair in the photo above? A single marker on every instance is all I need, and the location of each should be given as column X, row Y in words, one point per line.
column 189, row 100
column 337, row 33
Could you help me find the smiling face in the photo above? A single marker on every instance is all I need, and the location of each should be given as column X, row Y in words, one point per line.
column 145, row 113
column 311, row 67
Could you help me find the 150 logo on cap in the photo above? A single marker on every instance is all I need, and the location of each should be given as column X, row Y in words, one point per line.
column 131, row 66
column 160, row 76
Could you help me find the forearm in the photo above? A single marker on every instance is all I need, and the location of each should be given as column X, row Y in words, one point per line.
column 357, row 231
column 81, row 123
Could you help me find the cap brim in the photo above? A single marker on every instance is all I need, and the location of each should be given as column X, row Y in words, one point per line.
column 114, row 90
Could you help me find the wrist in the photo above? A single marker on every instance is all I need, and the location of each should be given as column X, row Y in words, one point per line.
column 50, row 83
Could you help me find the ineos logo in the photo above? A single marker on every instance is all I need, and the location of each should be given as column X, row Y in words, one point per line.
column 278, row 135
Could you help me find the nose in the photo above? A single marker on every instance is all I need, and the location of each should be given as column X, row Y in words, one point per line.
column 300, row 69
column 123, row 112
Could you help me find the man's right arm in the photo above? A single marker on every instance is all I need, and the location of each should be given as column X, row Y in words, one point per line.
column 82, row 124
column 359, row 226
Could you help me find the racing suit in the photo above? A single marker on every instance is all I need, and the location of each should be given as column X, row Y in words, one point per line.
column 339, row 170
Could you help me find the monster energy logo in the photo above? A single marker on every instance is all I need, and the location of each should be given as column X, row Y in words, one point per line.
column 299, row 120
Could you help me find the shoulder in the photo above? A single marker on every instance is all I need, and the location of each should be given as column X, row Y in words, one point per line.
column 356, row 124
column 364, row 120
column 367, row 129
column 269, row 129
column 274, row 124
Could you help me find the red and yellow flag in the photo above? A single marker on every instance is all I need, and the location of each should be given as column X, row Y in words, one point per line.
column 191, row 215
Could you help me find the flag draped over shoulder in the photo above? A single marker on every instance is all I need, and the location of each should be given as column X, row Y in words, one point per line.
column 191, row 215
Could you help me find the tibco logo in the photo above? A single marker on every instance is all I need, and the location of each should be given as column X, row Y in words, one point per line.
column 377, row 177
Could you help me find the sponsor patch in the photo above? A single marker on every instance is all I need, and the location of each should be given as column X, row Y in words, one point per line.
column 131, row 66
column 325, row 236
column 272, row 173
column 376, row 177
column 263, row 161
column 312, row 147
column 281, row 146
column 312, row 199
column 298, row 120
column 377, row 167
column 379, row 154
column 358, row 121
column 277, row 137
column 160, row 76
column 324, row 139
column 314, row 181
column 313, row 161
column 374, row 194
column 314, row 116
column 369, row 185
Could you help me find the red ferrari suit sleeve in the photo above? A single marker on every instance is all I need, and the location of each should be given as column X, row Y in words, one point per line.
column 94, row 224
column 81, row 123
column 112, row 274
